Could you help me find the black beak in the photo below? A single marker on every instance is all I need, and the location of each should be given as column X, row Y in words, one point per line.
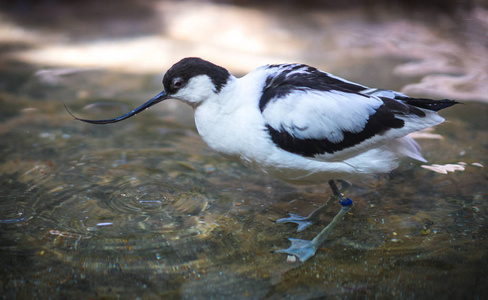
column 158, row 98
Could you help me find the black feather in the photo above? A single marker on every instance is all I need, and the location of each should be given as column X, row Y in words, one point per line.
column 378, row 123
column 434, row 105
column 285, row 82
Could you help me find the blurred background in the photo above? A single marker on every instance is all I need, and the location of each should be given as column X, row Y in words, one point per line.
column 433, row 47
column 143, row 209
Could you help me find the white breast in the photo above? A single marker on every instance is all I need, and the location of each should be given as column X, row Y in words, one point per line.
column 231, row 123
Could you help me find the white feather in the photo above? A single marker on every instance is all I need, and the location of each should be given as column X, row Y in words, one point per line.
column 320, row 115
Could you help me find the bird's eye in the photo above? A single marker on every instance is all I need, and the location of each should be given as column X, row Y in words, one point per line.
column 177, row 83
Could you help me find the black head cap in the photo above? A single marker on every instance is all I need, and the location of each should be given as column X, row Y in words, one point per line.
column 181, row 72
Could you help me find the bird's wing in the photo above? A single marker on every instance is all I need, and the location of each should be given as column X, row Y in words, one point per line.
column 310, row 116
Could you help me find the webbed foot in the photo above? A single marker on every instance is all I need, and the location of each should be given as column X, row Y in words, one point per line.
column 302, row 249
column 302, row 222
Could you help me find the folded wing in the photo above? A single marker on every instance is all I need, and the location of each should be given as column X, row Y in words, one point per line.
column 318, row 115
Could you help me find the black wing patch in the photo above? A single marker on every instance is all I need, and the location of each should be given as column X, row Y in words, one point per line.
column 378, row 123
column 310, row 78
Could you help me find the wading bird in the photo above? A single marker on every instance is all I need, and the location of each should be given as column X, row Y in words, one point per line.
column 299, row 124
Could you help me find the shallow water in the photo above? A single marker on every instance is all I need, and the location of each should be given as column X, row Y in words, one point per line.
column 142, row 209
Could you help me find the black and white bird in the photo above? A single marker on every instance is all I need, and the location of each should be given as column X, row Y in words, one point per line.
column 299, row 124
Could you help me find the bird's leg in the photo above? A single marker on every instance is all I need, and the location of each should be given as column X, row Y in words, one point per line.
column 304, row 222
column 304, row 249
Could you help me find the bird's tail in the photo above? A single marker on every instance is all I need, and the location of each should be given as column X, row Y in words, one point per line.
column 434, row 105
